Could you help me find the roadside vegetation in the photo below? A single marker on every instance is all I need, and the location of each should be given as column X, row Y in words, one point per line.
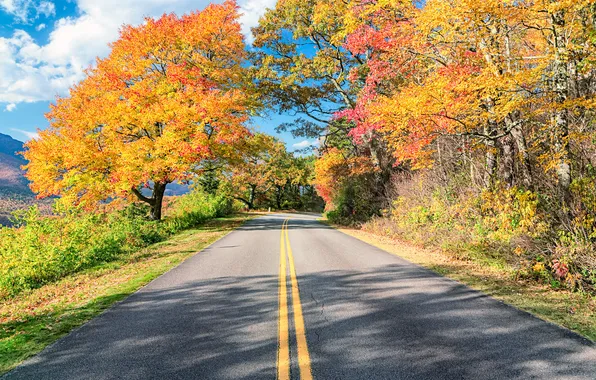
column 35, row 318
column 42, row 249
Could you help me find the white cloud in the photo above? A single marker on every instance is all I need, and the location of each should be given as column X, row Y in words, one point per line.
column 25, row 76
column 10, row 107
column 28, row 134
column 305, row 144
column 18, row 8
column 46, row 8
column 40, row 27
column 24, row 10
column 30, row 72
column 251, row 11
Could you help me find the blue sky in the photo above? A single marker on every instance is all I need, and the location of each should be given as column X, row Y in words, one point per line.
column 46, row 44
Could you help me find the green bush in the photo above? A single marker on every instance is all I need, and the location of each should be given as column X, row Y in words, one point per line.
column 356, row 202
column 41, row 249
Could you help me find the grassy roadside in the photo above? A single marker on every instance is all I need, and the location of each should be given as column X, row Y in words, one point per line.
column 575, row 311
column 31, row 321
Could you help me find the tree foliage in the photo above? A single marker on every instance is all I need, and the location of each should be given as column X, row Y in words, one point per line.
column 172, row 94
column 267, row 175
column 305, row 68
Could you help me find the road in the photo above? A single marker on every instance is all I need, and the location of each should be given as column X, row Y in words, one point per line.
column 309, row 302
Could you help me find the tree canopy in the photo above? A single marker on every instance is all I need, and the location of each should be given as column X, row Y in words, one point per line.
column 173, row 93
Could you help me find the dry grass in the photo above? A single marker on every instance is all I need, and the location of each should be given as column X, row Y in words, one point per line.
column 573, row 310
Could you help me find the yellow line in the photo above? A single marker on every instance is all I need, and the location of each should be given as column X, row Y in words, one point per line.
column 283, row 333
column 303, row 355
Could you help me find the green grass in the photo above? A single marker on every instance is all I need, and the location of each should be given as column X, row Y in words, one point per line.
column 35, row 319
column 573, row 310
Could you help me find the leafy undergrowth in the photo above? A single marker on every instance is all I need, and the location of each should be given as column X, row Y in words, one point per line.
column 41, row 250
column 573, row 310
column 36, row 318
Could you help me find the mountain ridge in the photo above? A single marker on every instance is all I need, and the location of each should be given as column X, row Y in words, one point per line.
column 12, row 177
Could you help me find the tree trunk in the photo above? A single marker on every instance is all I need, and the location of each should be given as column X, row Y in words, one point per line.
column 490, row 129
column 491, row 163
column 156, row 200
column 278, row 196
column 561, row 90
column 247, row 203
column 381, row 159
column 515, row 126
column 159, row 190
column 252, row 196
column 508, row 152
column 442, row 167
column 490, row 156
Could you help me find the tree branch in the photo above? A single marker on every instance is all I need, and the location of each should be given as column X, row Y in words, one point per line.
column 141, row 197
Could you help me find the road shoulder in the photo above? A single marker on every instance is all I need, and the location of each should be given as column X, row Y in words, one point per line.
column 574, row 311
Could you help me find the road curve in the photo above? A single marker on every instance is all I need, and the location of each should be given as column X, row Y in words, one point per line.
column 365, row 314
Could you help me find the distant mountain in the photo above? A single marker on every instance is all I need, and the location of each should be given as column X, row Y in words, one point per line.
column 172, row 190
column 12, row 179
column 10, row 146
column 176, row 189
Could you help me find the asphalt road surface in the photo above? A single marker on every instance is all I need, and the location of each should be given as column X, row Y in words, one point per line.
column 309, row 302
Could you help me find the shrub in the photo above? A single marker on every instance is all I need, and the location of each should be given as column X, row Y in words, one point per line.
column 499, row 226
column 356, row 201
column 42, row 249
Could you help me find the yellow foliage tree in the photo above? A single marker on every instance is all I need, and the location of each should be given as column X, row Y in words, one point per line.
column 172, row 93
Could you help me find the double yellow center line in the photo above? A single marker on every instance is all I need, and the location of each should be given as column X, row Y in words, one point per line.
column 283, row 351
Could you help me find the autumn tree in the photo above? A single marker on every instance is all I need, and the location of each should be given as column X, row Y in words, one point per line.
column 567, row 32
column 172, row 94
column 306, row 69
column 252, row 175
column 267, row 175
column 302, row 65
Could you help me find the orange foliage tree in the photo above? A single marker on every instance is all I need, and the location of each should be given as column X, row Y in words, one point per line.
column 172, row 93
column 253, row 174
column 333, row 169
column 266, row 171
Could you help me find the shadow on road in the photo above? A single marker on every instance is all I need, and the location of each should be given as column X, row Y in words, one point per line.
column 359, row 325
